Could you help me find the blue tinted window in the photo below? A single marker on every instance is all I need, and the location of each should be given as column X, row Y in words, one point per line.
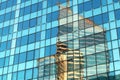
column 5, row 30
column 33, row 22
column 22, row 57
column 54, row 32
column 3, row 5
column 39, row 5
column 105, row 18
column 36, row 54
column 30, row 55
column 49, row 17
column 21, row 11
column 87, row 6
column 47, row 51
column 3, row 46
column 21, row 75
column 1, row 62
column 35, row 73
column 117, row 14
column 47, row 34
column 98, row 19
column 25, row 24
column 12, row 15
column 14, row 76
column 1, row 18
column 18, row 42
column 24, row 40
column 34, row 8
column 118, row 31
column 16, row 59
column 20, row 26
column 80, row 8
column 38, row 36
column 8, row 44
column 7, row 16
column 6, row 61
column 55, row 15
column 53, row 49
column 29, row 74
column 96, row 3
column 31, row 38
column 27, row 10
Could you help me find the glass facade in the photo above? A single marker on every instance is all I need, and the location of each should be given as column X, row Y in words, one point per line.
column 59, row 40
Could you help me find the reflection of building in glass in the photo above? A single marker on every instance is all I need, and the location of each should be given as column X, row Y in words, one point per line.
column 30, row 31
column 85, row 36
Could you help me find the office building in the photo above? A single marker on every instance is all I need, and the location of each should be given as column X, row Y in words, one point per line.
column 59, row 40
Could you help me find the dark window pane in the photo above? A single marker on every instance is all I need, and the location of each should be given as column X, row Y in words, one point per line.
column 30, row 55
column 33, row 22
column 48, row 34
column 25, row 24
column 16, row 59
column 24, row 40
column 31, row 38
column 1, row 62
column 38, row 36
column 22, row 57
column 54, row 32
column 34, row 8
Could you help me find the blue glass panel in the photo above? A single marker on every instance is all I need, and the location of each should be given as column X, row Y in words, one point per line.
column 6, row 61
column 5, row 30
column 3, row 5
column 27, row 10
column 96, row 3
column 33, row 22
column 47, row 51
column 24, row 40
column 87, row 6
column 54, row 32
column 29, row 74
column 34, row 8
column 80, row 8
column 55, row 15
column 1, row 62
column 20, row 26
column 39, row 5
column 3, row 46
column 36, row 54
column 26, row 24
column 53, row 49
column 118, row 31
column 22, row 57
column 38, row 36
column 98, row 19
column 49, row 17
column 30, row 55
column 7, row 16
column 18, row 41
column 1, row 18
column 8, row 44
column 35, row 73
column 13, row 15
column 14, row 76
column 48, row 34
column 31, row 38
column 117, row 14
column 105, row 17
column 16, row 58
column 21, row 11
column 21, row 75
